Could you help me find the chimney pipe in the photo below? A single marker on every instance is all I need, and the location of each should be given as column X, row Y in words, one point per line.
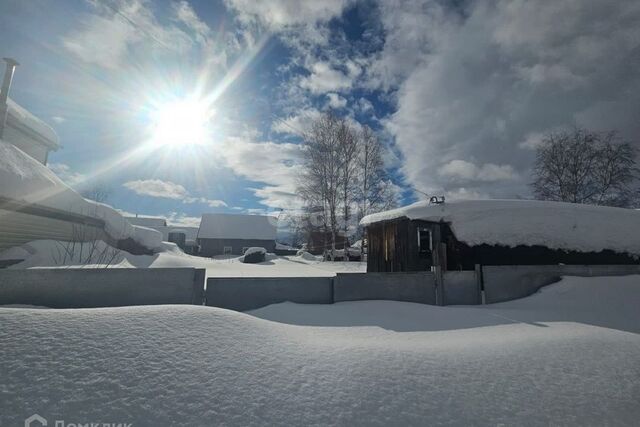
column 4, row 91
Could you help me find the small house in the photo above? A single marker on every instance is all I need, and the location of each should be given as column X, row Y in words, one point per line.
column 232, row 234
column 459, row 235
column 184, row 237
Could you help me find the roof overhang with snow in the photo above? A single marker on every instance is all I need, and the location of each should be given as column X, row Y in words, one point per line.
column 147, row 221
column 556, row 225
column 30, row 127
column 230, row 226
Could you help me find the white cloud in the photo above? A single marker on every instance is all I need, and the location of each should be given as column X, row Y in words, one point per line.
column 482, row 80
column 279, row 14
column 185, row 14
column 275, row 165
column 66, row 174
column 181, row 219
column 169, row 190
column 531, row 141
column 158, row 188
column 336, row 101
column 128, row 34
column 324, row 78
column 58, row 119
column 467, row 171
column 296, row 124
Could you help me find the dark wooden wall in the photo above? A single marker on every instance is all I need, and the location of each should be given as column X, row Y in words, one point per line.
column 393, row 247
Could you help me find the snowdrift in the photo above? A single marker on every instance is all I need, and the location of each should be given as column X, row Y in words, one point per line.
column 556, row 225
column 24, row 179
column 528, row 362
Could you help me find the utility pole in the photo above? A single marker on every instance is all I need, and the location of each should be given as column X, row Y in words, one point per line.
column 4, row 91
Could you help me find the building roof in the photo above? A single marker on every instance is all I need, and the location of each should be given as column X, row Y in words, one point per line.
column 29, row 125
column 147, row 221
column 556, row 225
column 232, row 226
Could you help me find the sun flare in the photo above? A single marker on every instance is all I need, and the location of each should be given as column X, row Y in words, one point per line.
column 181, row 123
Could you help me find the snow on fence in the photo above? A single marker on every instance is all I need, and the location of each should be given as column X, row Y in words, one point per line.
column 509, row 282
column 95, row 287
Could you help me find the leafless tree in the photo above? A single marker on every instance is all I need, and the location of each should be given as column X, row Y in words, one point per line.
column 343, row 176
column 85, row 247
column 349, row 148
column 321, row 177
column 372, row 174
column 99, row 193
column 581, row 166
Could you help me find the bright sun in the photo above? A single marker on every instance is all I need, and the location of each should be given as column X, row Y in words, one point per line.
column 181, row 123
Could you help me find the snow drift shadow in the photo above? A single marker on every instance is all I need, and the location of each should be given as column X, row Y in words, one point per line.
column 609, row 302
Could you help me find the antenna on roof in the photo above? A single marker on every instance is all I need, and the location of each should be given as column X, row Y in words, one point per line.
column 4, row 91
column 436, row 200
column 421, row 192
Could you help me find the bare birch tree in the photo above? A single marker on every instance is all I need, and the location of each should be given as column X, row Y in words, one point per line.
column 321, row 178
column 349, row 152
column 581, row 166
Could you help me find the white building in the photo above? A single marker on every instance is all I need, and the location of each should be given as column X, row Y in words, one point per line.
column 29, row 133
column 232, row 234
column 184, row 237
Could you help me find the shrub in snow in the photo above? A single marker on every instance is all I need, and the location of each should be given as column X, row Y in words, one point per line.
column 308, row 256
column 254, row 255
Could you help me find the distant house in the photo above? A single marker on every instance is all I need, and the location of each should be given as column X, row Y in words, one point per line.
column 459, row 235
column 231, row 234
column 29, row 133
column 147, row 221
column 184, row 237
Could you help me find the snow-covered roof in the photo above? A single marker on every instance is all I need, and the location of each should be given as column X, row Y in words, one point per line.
column 147, row 221
column 21, row 119
column 555, row 225
column 24, row 179
column 232, row 226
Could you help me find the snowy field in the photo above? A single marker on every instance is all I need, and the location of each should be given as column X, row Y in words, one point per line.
column 569, row 355
column 46, row 254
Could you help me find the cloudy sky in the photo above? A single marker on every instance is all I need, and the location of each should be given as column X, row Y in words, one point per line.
column 460, row 91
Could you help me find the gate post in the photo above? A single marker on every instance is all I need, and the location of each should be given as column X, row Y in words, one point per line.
column 439, row 277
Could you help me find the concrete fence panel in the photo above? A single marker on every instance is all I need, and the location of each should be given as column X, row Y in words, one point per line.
column 411, row 287
column 508, row 282
column 91, row 287
column 248, row 293
column 461, row 288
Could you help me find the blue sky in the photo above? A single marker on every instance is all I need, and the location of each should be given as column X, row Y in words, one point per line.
column 460, row 92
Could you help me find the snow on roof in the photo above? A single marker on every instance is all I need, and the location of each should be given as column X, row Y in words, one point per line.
column 19, row 116
column 555, row 225
column 24, row 179
column 232, row 226
column 147, row 221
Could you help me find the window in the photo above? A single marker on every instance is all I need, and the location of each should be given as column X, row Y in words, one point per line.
column 425, row 242
column 227, row 250
column 244, row 249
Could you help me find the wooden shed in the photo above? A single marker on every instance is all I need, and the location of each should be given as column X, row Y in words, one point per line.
column 459, row 235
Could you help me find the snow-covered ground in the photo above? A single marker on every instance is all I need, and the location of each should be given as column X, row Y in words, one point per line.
column 333, row 266
column 569, row 355
column 48, row 253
